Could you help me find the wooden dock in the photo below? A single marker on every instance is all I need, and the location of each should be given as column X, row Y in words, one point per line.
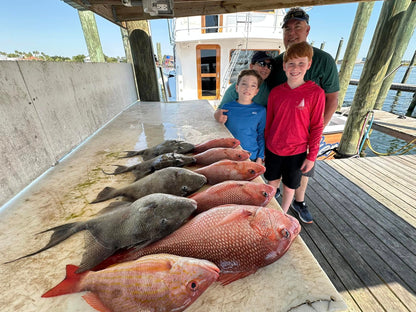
column 364, row 233
column 398, row 126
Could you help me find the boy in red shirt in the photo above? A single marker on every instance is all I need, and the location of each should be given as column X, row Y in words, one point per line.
column 294, row 126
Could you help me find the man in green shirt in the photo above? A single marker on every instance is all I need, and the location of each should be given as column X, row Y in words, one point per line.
column 261, row 63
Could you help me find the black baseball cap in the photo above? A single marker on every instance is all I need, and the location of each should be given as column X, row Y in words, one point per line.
column 295, row 13
column 260, row 56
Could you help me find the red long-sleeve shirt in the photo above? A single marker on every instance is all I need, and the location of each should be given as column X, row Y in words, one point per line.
column 295, row 119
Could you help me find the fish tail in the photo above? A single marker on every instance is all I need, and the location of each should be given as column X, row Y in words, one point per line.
column 107, row 193
column 132, row 153
column 71, row 283
column 60, row 234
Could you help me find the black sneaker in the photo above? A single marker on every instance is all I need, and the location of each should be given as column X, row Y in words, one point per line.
column 303, row 212
column 277, row 195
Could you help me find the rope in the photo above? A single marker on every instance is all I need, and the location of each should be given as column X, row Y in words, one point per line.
column 401, row 151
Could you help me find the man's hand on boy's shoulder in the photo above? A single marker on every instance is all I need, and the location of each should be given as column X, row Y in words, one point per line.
column 307, row 165
column 219, row 115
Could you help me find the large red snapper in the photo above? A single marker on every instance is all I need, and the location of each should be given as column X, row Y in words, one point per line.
column 226, row 169
column 234, row 192
column 159, row 283
column 239, row 239
column 219, row 153
column 220, row 142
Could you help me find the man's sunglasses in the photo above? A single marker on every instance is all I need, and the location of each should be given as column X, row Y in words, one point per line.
column 263, row 64
column 296, row 14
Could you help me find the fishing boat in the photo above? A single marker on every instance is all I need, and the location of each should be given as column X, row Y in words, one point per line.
column 211, row 50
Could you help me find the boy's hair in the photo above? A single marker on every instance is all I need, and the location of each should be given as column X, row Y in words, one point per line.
column 296, row 50
column 250, row 72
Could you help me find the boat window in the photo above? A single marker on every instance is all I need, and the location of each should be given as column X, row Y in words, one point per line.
column 244, row 60
column 211, row 24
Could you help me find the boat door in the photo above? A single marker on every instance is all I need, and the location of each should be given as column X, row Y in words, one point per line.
column 208, row 71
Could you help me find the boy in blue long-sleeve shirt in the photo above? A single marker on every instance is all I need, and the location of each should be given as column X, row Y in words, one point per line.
column 246, row 119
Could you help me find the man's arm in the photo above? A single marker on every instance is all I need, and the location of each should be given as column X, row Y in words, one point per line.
column 331, row 104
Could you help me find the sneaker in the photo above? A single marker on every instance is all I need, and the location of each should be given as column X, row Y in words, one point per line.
column 303, row 212
column 277, row 195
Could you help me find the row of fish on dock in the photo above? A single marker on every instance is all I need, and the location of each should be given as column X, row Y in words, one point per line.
column 164, row 246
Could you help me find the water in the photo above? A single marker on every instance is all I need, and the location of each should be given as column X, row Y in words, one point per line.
column 398, row 105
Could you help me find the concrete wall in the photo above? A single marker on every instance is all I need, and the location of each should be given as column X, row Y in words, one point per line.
column 49, row 108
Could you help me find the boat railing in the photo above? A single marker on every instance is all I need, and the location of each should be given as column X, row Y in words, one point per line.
column 240, row 26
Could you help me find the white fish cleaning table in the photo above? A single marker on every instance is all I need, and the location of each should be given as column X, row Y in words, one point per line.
column 295, row 282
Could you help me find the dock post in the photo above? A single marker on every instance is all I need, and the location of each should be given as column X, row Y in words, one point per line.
column 411, row 106
column 126, row 44
column 362, row 16
column 374, row 70
column 407, row 73
column 92, row 38
column 405, row 32
column 339, row 49
column 143, row 60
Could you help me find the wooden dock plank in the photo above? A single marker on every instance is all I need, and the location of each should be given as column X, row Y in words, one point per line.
column 367, row 256
column 361, row 237
column 391, row 124
column 382, row 238
column 375, row 173
column 355, row 175
column 320, row 253
column 354, row 262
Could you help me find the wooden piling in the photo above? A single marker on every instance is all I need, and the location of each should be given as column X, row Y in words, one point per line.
column 407, row 73
column 339, row 49
column 404, row 34
column 92, row 38
column 411, row 106
column 126, row 43
column 143, row 60
column 362, row 16
column 374, row 70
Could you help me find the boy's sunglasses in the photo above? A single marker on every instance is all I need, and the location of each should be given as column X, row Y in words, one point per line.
column 263, row 64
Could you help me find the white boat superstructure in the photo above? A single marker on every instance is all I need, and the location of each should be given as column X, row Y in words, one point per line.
column 211, row 50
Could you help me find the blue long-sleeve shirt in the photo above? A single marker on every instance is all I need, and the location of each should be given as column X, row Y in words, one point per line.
column 246, row 123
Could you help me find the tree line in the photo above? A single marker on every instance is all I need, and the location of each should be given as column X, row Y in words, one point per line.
column 40, row 56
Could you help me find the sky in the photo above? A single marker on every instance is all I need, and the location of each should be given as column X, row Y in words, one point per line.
column 53, row 27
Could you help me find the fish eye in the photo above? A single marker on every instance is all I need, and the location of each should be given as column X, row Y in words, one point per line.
column 184, row 188
column 193, row 285
column 265, row 194
column 252, row 171
column 285, row 233
column 164, row 221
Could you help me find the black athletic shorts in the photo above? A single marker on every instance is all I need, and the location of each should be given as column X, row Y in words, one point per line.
column 285, row 167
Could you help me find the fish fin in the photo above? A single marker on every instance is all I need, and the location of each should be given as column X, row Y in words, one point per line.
column 69, row 285
column 113, row 206
column 120, row 169
column 138, row 174
column 94, row 301
column 106, row 193
column 152, row 266
column 228, row 278
column 132, row 153
column 95, row 253
column 60, row 234
column 235, row 215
